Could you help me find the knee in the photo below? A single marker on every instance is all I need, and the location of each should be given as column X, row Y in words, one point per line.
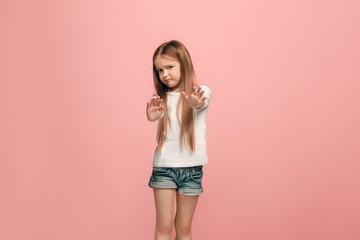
column 164, row 227
column 182, row 227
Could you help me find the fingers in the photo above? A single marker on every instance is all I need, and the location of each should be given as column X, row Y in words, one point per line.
column 198, row 92
column 185, row 96
column 155, row 105
column 157, row 101
column 202, row 93
column 196, row 95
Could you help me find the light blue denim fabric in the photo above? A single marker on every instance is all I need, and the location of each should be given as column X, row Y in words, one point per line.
column 186, row 180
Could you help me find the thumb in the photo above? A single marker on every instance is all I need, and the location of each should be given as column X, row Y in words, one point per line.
column 185, row 96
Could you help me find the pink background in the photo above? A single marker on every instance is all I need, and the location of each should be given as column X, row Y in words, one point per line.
column 282, row 128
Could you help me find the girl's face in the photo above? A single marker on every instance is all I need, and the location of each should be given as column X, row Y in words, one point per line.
column 169, row 72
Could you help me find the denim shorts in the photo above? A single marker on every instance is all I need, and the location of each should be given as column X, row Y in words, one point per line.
column 186, row 180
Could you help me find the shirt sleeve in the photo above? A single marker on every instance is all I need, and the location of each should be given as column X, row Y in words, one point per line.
column 152, row 97
column 207, row 94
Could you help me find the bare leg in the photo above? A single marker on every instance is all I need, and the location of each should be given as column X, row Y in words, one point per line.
column 164, row 203
column 184, row 214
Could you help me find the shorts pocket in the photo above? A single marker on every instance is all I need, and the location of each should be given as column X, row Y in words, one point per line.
column 161, row 170
column 196, row 174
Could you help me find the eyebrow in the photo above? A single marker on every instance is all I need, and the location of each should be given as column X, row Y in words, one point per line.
column 165, row 65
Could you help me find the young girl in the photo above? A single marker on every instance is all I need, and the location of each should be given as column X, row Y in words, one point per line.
column 180, row 107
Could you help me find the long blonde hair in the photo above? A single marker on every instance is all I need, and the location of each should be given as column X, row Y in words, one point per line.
column 178, row 51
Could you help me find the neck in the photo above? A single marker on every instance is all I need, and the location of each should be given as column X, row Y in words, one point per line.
column 174, row 89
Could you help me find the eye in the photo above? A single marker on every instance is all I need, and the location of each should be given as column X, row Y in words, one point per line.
column 168, row 67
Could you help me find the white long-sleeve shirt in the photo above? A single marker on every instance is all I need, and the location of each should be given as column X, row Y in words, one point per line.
column 171, row 154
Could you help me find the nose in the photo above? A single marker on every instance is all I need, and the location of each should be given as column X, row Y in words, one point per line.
column 165, row 73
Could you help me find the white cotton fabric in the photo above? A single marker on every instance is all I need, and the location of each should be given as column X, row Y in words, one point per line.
column 171, row 154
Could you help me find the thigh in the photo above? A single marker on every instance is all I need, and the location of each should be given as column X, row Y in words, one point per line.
column 186, row 205
column 164, row 203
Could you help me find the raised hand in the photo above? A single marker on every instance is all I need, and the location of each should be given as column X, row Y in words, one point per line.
column 195, row 99
column 154, row 109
